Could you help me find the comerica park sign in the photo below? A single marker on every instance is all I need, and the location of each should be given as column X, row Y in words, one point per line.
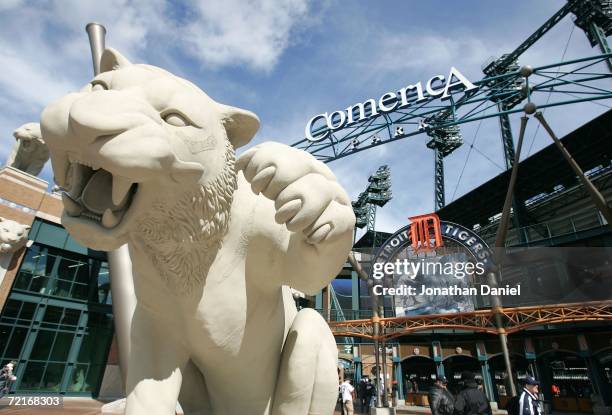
column 437, row 86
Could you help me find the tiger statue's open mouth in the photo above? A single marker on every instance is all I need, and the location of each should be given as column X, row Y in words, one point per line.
column 95, row 194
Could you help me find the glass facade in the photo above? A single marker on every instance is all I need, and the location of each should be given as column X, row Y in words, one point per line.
column 57, row 323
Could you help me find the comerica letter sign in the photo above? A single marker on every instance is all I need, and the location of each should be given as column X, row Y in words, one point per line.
column 437, row 86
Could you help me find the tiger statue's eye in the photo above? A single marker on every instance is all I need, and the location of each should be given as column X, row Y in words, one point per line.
column 176, row 119
column 98, row 85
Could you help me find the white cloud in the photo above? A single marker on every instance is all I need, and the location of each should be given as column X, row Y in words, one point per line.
column 235, row 32
column 27, row 82
column 10, row 4
column 401, row 52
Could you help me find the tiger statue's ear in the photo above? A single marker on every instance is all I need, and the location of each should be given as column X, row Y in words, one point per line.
column 111, row 60
column 240, row 125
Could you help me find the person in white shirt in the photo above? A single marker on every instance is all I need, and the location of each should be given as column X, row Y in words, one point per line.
column 347, row 391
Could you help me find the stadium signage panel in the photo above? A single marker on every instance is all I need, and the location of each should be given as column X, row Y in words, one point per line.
column 436, row 86
column 433, row 266
column 425, row 234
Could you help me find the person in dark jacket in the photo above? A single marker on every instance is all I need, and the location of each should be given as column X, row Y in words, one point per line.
column 361, row 394
column 471, row 400
column 370, row 392
column 441, row 401
column 529, row 402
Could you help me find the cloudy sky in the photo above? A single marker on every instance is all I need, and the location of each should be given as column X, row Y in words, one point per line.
column 288, row 60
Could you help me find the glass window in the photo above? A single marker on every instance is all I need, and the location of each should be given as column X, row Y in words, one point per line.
column 68, row 269
column 74, row 246
column 71, row 319
column 103, row 274
column 61, row 348
column 61, row 288
column 32, row 376
column 51, row 235
column 11, row 309
column 103, row 281
column 16, row 343
column 22, row 282
column 94, row 348
column 100, row 320
column 29, row 262
column 34, row 230
column 38, row 284
column 83, row 273
column 78, row 382
column 53, row 314
column 80, row 291
column 53, row 377
column 365, row 303
column 94, row 376
column 49, row 271
column 5, row 332
column 85, row 350
column 52, row 270
column 42, row 346
column 27, row 311
column 104, row 294
column 343, row 289
column 45, row 263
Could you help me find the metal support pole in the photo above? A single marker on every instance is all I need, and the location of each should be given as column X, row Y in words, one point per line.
column 376, row 326
column 399, row 376
column 377, row 331
column 385, row 400
column 439, row 201
column 596, row 196
column 509, row 156
column 486, row 380
column 500, row 239
column 502, row 230
column 119, row 262
column 503, row 338
column 506, row 135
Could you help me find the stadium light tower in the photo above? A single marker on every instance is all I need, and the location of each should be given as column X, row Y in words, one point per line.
column 377, row 194
column 444, row 140
column 594, row 17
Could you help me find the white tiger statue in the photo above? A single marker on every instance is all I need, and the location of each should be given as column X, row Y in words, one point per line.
column 30, row 153
column 148, row 159
column 13, row 235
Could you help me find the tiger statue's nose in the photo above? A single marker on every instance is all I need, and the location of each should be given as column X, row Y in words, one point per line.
column 104, row 113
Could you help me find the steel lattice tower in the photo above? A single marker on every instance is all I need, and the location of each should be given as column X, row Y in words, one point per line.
column 594, row 17
column 444, row 140
column 377, row 194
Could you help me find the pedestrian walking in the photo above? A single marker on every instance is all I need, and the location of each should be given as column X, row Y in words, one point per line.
column 370, row 393
column 528, row 401
column 7, row 378
column 471, row 400
column 441, row 401
column 348, row 392
column 361, row 394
